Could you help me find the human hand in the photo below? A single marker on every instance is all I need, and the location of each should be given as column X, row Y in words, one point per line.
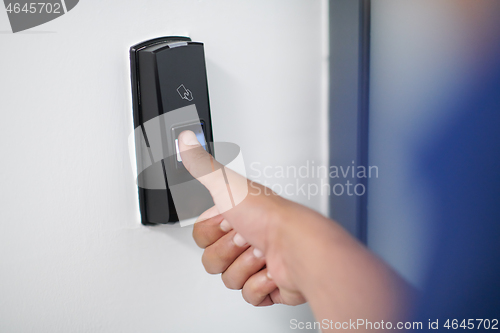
column 243, row 266
column 306, row 256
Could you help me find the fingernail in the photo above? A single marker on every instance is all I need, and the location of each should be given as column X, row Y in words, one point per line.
column 239, row 241
column 225, row 226
column 258, row 253
column 269, row 276
column 189, row 139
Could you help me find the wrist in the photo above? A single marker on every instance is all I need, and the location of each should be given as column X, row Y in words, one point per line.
column 305, row 241
column 338, row 275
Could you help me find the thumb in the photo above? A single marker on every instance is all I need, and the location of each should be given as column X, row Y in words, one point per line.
column 226, row 187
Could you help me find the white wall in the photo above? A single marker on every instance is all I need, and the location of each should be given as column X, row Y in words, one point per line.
column 73, row 255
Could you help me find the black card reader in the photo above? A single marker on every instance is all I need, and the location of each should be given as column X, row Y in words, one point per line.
column 170, row 95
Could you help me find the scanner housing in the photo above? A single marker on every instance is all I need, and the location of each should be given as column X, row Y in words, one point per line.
column 167, row 74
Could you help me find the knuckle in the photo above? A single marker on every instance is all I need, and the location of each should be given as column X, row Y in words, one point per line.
column 250, row 298
column 253, row 288
column 225, row 256
column 197, row 237
column 252, row 293
column 218, row 256
column 230, row 282
column 200, row 235
column 244, row 294
column 211, row 264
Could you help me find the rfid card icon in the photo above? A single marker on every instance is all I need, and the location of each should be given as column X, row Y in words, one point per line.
column 185, row 93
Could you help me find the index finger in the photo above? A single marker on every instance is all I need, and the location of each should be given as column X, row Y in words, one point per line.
column 247, row 206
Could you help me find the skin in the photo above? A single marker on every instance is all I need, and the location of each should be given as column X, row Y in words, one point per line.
column 302, row 255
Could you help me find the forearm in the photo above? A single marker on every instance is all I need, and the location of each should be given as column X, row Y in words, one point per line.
column 338, row 276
